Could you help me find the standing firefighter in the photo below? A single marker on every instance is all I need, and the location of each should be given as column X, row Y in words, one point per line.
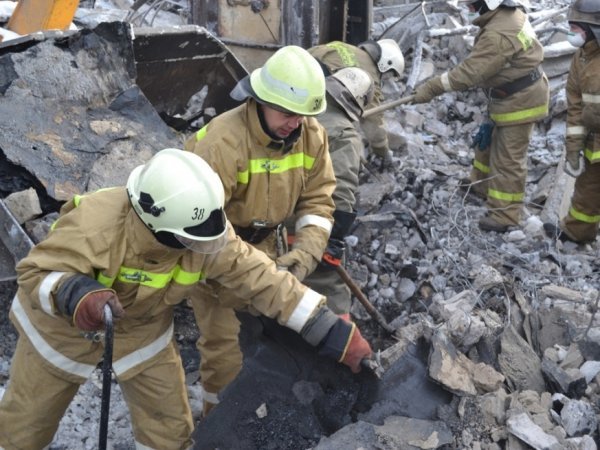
column 506, row 59
column 379, row 59
column 141, row 250
column 349, row 91
column 273, row 160
column 583, row 126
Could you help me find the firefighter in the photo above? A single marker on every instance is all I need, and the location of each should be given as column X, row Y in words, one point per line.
column 272, row 156
column 140, row 249
column 505, row 59
column 380, row 59
column 349, row 91
column 583, row 126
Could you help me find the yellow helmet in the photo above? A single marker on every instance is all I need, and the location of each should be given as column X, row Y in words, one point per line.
column 291, row 80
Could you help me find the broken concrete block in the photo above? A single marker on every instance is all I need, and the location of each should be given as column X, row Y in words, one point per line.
column 570, row 382
column 464, row 301
column 521, row 426
column 590, row 369
column 409, row 433
column 486, row 277
column 577, row 417
column 458, row 373
column 519, row 363
column 24, row 205
column 561, row 292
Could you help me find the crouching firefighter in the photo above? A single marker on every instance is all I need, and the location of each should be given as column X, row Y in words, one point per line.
column 272, row 156
column 141, row 249
column 506, row 59
column 349, row 91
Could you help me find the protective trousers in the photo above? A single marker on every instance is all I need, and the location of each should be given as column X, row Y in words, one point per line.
column 220, row 353
column 156, row 397
column 328, row 283
column 581, row 223
column 502, row 170
column 375, row 132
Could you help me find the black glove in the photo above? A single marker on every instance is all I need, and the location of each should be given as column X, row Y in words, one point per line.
column 333, row 255
column 483, row 138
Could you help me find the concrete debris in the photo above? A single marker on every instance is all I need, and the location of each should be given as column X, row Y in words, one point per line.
column 523, row 427
column 519, row 363
column 25, row 205
column 577, row 417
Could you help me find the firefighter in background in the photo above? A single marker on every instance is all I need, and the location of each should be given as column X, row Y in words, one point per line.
column 349, row 91
column 140, row 249
column 505, row 59
column 379, row 59
column 583, row 126
column 273, row 160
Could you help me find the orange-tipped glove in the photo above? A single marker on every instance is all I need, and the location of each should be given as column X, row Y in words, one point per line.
column 89, row 312
column 345, row 343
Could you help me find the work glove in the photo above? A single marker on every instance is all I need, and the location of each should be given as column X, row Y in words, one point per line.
column 483, row 138
column 574, row 164
column 298, row 262
column 345, row 343
column 425, row 92
column 89, row 312
column 333, row 255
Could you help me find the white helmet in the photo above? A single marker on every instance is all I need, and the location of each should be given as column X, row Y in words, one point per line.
column 358, row 82
column 176, row 192
column 386, row 54
column 391, row 57
column 352, row 89
column 493, row 4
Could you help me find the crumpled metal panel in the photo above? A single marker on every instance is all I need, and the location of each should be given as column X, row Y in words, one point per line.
column 73, row 118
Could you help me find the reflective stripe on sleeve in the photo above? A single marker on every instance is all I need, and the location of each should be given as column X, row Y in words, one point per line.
column 304, row 309
column 143, row 354
column 45, row 289
column 576, row 131
column 48, row 353
column 313, row 219
column 446, row 82
column 590, row 98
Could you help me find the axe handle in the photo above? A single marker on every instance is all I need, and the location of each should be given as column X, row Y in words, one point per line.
column 388, row 105
column 364, row 300
column 106, row 377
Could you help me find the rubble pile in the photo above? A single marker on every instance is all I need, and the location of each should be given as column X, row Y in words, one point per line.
column 497, row 342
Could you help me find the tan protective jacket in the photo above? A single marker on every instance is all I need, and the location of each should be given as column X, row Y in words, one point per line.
column 267, row 184
column 337, row 55
column 104, row 238
column 505, row 50
column 583, row 101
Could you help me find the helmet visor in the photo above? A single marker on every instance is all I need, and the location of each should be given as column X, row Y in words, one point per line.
column 207, row 247
column 211, row 234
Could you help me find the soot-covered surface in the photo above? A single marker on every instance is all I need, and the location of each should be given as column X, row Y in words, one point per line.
column 307, row 396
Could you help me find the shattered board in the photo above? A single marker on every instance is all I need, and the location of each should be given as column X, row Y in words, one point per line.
column 287, row 397
column 73, row 116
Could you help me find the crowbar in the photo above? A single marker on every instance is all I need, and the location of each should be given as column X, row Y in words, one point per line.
column 106, row 376
column 363, row 300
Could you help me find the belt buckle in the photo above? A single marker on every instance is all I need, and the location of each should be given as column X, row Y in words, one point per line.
column 258, row 224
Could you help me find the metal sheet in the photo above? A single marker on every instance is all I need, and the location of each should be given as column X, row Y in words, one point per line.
column 15, row 243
